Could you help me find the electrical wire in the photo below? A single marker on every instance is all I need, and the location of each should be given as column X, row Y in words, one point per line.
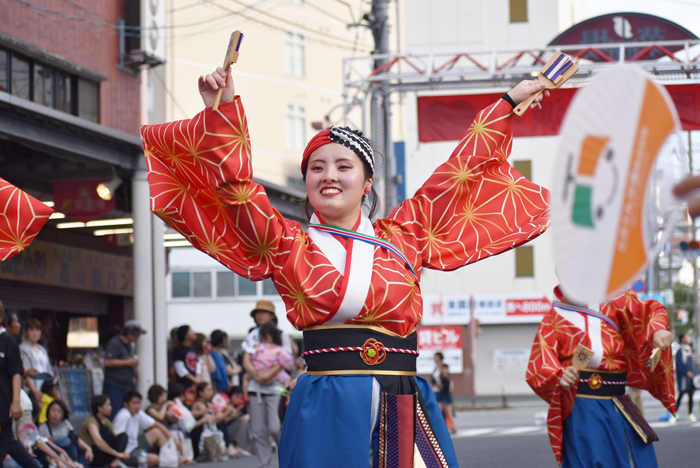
column 291, row 23
column 39, row 8
column 325, row 12
column 310, row 39
column 172, row 96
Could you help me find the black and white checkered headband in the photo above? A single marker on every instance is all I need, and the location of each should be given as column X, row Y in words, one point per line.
column 355, row 142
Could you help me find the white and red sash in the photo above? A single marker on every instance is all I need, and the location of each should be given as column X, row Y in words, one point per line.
column 355, row 263
column 590, row 322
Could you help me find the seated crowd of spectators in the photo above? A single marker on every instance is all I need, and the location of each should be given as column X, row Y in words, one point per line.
column 215, row 407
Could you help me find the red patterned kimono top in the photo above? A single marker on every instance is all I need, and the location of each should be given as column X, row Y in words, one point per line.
column 473, row 206
column 562, row 330
column 21, row 218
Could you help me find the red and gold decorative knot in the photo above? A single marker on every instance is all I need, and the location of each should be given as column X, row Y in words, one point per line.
column 373, row 352
column 595, row 381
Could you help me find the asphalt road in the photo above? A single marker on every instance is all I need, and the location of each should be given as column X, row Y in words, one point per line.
column 510, row 437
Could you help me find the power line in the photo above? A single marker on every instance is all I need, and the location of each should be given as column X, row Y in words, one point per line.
column 325, row 12
column 39, row 8
column 291, row 23
column 255, row 20
column 172, row 96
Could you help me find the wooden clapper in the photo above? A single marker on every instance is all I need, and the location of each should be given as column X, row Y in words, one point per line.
column 234, row 44
column 555, row 72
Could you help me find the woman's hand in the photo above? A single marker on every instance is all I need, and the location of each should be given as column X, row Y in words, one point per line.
column 89, row 455
column 209, row 87
column 662, row 339
column 123, row 456
column 524, row 89
column 569, row 377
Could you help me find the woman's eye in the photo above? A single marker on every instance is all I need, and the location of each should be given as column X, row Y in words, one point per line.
column 345, row 167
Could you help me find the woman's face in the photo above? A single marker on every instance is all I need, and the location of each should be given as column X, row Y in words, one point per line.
column 106, row 408
column 34, row 335
column 15, row 326
column 335, row 181
column 207, row 393
column 55, row 414
column 162, row 398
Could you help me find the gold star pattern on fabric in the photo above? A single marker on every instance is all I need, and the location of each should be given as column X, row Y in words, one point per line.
column 21, row 218
column 629, row 351
column 473, row 206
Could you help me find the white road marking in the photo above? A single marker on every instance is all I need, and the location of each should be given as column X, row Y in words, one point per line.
column 520, row 430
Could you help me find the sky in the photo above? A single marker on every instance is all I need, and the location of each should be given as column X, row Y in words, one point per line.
column 684, row 12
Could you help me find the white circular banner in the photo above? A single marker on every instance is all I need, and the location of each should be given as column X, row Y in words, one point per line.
column 612, row 207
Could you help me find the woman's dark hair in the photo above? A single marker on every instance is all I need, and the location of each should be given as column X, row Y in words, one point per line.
column 155, row 392
column 372, row 199
column 681, row 336
column 32, row 324
column 130, row 395
column 440, row 355
column 218, row 337
column 199, row 344
column 48, row 386
column 8, row 319
column 269, row 329
column 233, row 390
column 200, row 388
column 175, row 390
column 98, row 401
column 63, row 406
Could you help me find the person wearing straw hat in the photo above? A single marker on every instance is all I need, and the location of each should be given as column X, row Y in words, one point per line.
column 351, row 285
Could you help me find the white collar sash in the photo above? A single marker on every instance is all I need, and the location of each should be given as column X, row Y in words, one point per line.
column 355, row 264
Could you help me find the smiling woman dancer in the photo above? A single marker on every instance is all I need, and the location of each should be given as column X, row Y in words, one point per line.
column 351, row 285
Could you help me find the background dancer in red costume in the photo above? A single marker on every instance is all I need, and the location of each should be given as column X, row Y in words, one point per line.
column 588, row 410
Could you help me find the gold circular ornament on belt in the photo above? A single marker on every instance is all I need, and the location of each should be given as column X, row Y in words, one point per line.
column 595, row 381
column 373, row 352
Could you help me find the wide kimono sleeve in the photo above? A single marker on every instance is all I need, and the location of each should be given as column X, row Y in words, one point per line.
column 474, row 205
column 21, row 218
column 543, row 374
column 201, row 184
column 638, row 321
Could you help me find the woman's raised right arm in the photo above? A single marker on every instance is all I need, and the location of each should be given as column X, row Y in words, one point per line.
column 201, row 182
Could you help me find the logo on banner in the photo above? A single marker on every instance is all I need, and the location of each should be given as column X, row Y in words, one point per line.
column 439, row 338
column 528, row 306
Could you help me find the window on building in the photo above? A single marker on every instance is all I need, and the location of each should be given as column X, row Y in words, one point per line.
column 295, row 127
column 20, row 83
column 518, row 11
column 4, row 70
column 43, row 85
column 64, row 92
column 225, row 284
column 268, row 287
column 49, row 86
column 524, row 168
column 524, row 262
column 181, row 284
column 88, row 100
column 294, row 52
column 202, row 284
column 247, row 287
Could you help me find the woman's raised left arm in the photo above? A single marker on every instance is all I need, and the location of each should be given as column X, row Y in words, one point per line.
column 474, row 205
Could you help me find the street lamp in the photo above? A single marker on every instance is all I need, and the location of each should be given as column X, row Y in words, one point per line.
column 105, row 190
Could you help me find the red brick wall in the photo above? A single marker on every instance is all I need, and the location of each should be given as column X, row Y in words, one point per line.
column 96, row 47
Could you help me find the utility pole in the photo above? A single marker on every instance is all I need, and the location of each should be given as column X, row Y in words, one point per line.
column 378, row 20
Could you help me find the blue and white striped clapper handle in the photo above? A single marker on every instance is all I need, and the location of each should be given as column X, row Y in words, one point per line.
column 560, row 65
